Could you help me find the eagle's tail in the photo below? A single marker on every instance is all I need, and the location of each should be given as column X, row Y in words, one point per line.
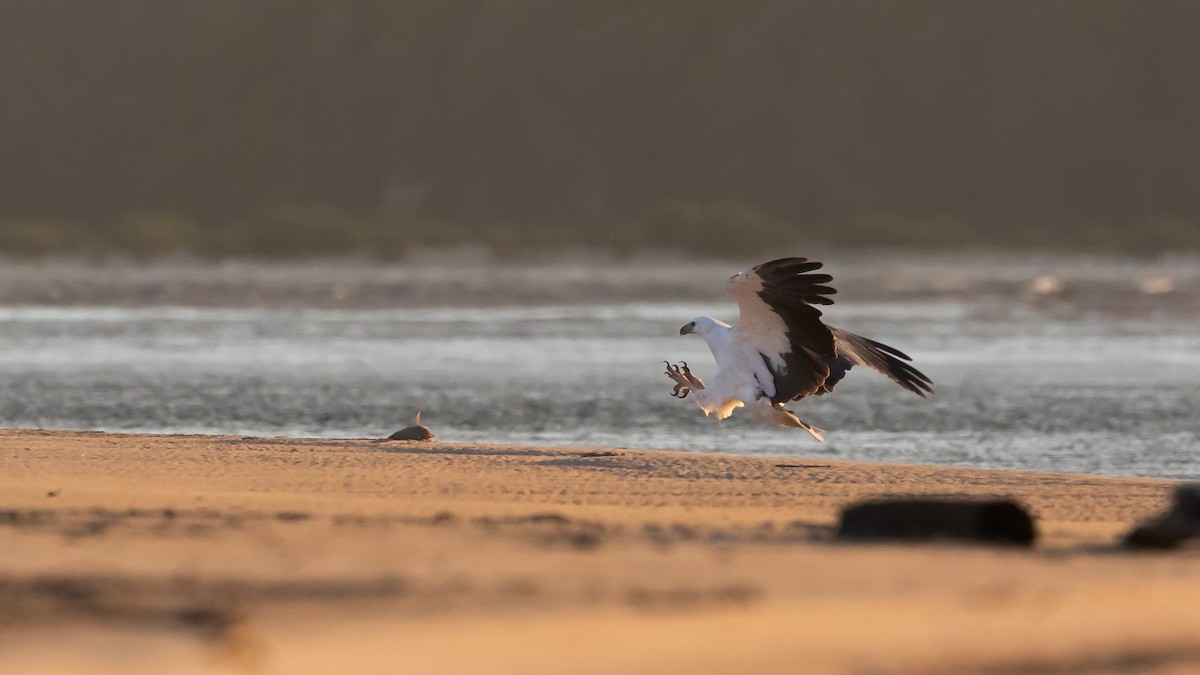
column 858, row 350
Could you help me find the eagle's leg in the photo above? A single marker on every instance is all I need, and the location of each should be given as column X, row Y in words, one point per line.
column 777, row 414
column 683, row 385
column 817, row 433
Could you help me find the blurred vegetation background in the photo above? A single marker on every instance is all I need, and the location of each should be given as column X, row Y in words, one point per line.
column 309, row 127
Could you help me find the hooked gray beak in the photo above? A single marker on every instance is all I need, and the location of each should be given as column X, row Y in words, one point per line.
column 688, row 329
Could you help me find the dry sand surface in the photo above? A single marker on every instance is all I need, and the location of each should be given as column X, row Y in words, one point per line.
column 177, row 554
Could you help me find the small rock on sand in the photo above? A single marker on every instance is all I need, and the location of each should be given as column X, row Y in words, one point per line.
column 416, row 432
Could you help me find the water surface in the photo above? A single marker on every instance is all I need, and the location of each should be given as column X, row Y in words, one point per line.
column 1019, row 384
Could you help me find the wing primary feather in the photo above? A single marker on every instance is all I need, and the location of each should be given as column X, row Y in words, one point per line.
column 887, row 360
column 890, row 350
column 787, row 266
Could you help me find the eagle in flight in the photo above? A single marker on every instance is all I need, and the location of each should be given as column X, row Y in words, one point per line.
column 780, row 351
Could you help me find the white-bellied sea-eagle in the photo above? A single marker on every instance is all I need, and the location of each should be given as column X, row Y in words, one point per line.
column 780, row 350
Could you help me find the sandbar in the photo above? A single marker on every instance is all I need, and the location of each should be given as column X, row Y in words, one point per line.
column 124, row 553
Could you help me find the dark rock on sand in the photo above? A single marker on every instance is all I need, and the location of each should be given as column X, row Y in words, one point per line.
column 996, row 521
column 414, row 433
column 1179, row 524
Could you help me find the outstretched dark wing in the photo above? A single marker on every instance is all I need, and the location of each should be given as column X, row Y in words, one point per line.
column 856, row 350
column 779, row 320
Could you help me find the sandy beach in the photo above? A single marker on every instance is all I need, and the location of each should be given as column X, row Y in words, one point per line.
column 153, row 554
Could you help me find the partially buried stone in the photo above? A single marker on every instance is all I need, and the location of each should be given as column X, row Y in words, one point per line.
column 1178, row 525
column 414, row 433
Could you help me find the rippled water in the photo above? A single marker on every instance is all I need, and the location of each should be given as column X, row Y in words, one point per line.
column 1017, row 386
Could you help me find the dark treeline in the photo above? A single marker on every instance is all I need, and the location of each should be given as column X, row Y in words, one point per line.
column 1027, row 121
